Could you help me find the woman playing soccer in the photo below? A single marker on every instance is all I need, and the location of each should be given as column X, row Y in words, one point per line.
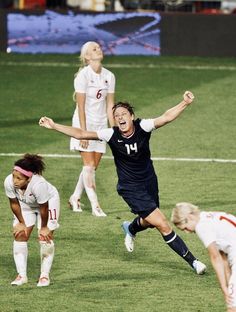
column 137, row 180
column 217, row 231
column 32, row 200
column 94, row 96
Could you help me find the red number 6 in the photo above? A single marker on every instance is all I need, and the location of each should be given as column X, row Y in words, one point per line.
column 99, row 94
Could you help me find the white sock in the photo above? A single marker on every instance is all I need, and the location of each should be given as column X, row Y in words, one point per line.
column 20, row 253
column 79, row 187
column 90, row 185
column 47, row 255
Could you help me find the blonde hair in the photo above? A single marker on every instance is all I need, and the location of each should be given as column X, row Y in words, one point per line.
column 83, row 52
column 83, row 60
column 181, row 211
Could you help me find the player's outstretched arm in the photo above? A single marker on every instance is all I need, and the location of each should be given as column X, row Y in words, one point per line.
column 172, row 113
column 76, row 133
column 219, row 267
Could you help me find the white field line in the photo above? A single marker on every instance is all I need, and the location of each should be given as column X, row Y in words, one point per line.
column 217, row 160
column 169, row 66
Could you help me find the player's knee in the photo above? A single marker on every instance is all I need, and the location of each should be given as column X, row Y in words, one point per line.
column 21, row 237
column 163, row 227
column 88, row 176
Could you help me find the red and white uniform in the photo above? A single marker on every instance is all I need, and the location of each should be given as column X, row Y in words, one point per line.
column 38, row 191
column 220, row 227
column 95, row 87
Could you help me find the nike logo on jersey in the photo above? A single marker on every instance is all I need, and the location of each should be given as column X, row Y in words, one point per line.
column 119, row 141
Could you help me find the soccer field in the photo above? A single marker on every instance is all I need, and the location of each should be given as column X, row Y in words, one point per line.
column 195, row 158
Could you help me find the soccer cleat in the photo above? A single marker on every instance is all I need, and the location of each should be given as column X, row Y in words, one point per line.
column 75, row 204
column 98, row 212
column 199, row 267
column 129, row 238
column 20, row 280
column 43, row 281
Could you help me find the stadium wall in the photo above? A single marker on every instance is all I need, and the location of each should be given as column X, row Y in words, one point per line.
column 198, row 35
column 177, row 34
column 3, row 31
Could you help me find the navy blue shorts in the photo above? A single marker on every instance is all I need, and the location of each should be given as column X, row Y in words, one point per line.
column 142, row 198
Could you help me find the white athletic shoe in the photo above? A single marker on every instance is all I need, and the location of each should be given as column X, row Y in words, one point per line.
column 98, row 212
column 75, row 204
column 129, row 238
column 199, row 267
column 43, row 281
column 20, row 280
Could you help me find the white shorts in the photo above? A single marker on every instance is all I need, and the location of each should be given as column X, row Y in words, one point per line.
column 32, row 215
column 94, row 145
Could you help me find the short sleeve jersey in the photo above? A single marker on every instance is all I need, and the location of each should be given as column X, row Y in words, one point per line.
column 38, row 191
column 96, row 87
column 218, row 227
column 131, row 154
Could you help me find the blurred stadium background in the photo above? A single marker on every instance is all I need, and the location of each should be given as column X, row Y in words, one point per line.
column 141, row 27
column 208, row 6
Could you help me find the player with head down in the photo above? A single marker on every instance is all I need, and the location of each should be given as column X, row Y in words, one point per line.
column 33, row 200
column 217, row 231
column 137, row 180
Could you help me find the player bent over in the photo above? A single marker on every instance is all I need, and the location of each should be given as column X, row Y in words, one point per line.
column 217, row 231
column 137, row 180
column 32, row 200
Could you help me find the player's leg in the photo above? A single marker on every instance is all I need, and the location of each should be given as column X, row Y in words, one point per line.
column 158, row 220
column 131, row 229
column 20, row 248
column 142, row 199
column 74, row 200
column 137, row 225
column 91, row 161
column 47, row 250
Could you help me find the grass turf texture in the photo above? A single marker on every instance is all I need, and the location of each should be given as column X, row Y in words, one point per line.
column 92, row 271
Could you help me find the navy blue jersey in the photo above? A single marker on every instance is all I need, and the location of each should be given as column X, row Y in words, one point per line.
column 132, row 155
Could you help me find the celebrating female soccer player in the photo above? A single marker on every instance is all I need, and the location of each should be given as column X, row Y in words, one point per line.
column 32, row 199
column 217, row 231
column 137, row 181
column 94, row 96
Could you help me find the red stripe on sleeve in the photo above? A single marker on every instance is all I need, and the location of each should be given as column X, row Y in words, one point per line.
column 227, row 219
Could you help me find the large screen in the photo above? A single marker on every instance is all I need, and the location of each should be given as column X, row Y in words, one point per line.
column 134, row 33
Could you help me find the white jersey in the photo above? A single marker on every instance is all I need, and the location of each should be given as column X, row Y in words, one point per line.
column 218, row 227
column 96, row 87
column 38, row 191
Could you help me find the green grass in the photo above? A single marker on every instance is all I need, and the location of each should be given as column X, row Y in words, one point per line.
column 92, row 271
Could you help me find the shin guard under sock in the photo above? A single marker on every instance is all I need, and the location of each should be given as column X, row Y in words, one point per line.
column 135, row 226
column 177, row 244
